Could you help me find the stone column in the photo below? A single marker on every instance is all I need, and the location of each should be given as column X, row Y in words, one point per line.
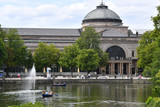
column 25, row 70
column 61, row 69
column 44, row 70
column 120, row 68
column 129, row 68
column 110, row 68
column 113, row 68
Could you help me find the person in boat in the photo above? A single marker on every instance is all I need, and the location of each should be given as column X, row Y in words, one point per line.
column 43, row 92
column 46, row 92
column 51, row 93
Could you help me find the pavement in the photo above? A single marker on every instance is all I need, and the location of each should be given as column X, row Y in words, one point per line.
column 77, row 77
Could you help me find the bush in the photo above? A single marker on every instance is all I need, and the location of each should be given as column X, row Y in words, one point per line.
column 153, row 102
column 37, row 104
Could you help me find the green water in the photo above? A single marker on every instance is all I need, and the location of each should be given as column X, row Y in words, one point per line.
column 79, row 95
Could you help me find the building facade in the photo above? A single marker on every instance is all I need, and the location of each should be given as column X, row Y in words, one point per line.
column 116, row 39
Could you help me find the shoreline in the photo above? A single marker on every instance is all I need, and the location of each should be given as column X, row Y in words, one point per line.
column 20, row 81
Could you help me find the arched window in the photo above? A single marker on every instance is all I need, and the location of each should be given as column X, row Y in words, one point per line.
column 116, row 52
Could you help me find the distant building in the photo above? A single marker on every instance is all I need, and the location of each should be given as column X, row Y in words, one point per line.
column 116, row 39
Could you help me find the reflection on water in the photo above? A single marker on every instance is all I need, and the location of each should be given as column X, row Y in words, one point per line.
column 81, row 95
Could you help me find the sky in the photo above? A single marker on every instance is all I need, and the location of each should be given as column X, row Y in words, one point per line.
column 136, row 14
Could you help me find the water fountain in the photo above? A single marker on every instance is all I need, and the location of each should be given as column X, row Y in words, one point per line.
column 32, row 78
column 27, row 91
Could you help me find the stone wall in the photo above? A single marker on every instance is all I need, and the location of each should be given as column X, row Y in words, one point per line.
column 82, row 81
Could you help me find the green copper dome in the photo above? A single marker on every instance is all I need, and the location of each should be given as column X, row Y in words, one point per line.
column 102, row 14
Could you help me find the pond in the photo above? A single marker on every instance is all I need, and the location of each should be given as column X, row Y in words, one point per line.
column 79, row 95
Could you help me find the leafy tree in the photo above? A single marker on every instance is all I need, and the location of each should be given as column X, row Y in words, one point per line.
column 2, row 33
column 46, row 55
column 147, row 45
column 152, row 65
column 89, row 39
column 148, row 48
column 2, row 52
column 29, row 60
column 156, row 19
column 68, row 57
column 15, row 49
column 88, row 59
column 104, row 59
column 2, row 47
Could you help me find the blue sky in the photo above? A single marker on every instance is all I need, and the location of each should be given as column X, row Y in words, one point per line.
column 69, row 13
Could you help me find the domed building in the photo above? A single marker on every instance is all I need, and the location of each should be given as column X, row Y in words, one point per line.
column 116, row 39
column 101, row 18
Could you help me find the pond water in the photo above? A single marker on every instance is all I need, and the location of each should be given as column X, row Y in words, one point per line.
column 79, row 95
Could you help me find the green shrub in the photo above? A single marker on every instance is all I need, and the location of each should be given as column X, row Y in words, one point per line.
column 153, row 102
column 37, row 104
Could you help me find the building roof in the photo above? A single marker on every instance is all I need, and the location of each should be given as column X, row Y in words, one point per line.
column 102, row 12
column 46, row 32
column 113, row 33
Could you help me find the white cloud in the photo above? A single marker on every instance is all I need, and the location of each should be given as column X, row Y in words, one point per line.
column 135, row 14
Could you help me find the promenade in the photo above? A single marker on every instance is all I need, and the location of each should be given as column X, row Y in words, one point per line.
column 67, row 79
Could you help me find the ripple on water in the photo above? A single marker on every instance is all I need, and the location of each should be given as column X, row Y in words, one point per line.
column 128, row 104
column 23, row 91
column 110, row 103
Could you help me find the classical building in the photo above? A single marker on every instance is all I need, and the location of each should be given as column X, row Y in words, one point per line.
column 116, row 39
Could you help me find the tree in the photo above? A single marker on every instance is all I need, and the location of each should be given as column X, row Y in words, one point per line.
column 149, row 58
column 147, row 50
column 68, row 57
column 147, row 45
column 15, row 49
column 2, row 33
column 45, row 55
column 88, row 59
column 89, row 39
column 104, row 59
column 2, row 47
column 29, row 60
column 2, row 52
column 156, row 19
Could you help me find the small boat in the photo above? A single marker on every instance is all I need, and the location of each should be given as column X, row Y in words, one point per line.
column 62, row 84
column 47, row 95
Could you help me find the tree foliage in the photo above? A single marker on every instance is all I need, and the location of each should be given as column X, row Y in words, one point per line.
column 46, row 55
column 88, row 59
column 2, row 52
column 152, row 63
column 147, row 45
column 68, row 57
column 148, row 49
column 2, row 33
column 29, row 60
column 89, row 39
column 156, row 19
column 153, row 102
column 104, row 59
column 36, row 104
column 2, row 47
column 16, row 51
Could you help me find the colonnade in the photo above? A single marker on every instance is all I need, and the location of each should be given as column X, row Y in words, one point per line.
column 120, row 67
